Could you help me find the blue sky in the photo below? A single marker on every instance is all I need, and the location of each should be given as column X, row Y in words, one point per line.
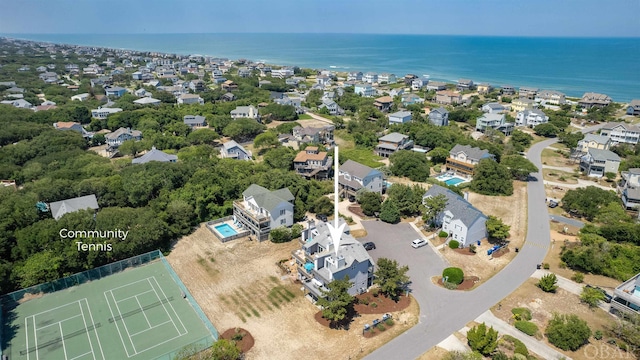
column 583, row 18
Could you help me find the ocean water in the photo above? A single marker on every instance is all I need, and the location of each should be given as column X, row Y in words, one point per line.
column 570, row 65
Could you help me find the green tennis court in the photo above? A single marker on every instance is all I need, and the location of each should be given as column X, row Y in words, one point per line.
column 136, row 314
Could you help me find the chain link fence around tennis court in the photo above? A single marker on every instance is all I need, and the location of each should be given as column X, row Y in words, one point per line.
column 10, row 301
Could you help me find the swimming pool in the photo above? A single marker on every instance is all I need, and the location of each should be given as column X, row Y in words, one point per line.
column 225, row 230
column 454, row 181
column 451, row 179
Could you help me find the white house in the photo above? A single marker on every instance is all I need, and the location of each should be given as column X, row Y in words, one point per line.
column 190, row 99
column 531, row 118
column 419, row 84
column 494, row 108
column 332, row 106
column 116, row 138
column 400, row 117
column 363, row 89
column 250, row 112
column 387, row 78
column 459, row 219
column 261, row 210
column 354, row 176
column 370, row 77
column 620, row 132
column 103, row 112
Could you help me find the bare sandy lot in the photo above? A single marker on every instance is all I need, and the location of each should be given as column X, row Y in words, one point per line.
column 238, row 284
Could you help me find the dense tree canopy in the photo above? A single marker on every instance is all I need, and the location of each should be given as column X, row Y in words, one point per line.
column 588, row 201
column 492, row 178
column 411, row 164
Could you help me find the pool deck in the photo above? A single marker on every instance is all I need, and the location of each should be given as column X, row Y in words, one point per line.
column 239, row 232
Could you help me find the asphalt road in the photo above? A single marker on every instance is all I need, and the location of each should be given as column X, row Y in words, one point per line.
column 566, row 220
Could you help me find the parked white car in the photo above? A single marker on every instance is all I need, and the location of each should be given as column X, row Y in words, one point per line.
column 418, row 243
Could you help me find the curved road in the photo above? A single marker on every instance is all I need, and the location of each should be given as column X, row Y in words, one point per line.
column 443, row 312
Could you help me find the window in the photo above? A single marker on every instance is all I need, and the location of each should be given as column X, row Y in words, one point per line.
column 283, row 211
column 282, row 221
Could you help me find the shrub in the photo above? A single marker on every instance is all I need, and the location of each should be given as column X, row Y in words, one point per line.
column 521, row 314
column 375, row 292
column 482, row 339
column 450, row 285
column 568, row 332
column 453, row 275
column 598, row 335
column 546, row 266
column 389, row 321
column 527, row 327
column 519, row 346
column 364, row 301
column 443, row 234
column 548, row 283
column 454, row 244
column 374, row 305
column 472, row 248
column 381, row 327
column 578, row 277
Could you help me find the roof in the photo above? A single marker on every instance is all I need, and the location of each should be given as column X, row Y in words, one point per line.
column 440, row 110
column 350, row 248
column 121, row 131
column 491, row 117
column 448, row 93
column 401, row 114
column 599, row 139
column 471, row 152
column 394, row 137
column 154, row 155
column 231, row 144
column 194, row 119
column 603, row 155
column 627, row 127
column 590, row 96
column 457, row 205
column 267, row 199
column 356, row 169
column 494, row 105
column 304, row 156
column 59, row 208
column 244, row 109
column 65, row 124
column 385, row 99
column 146, row 100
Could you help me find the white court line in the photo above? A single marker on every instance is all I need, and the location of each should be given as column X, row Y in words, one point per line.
column 94, row 328
column 55, row 308
column 153, row 327
column 79, row 356
column 143, row 313
column 172, row 308
column 88, row 337
column 35, row 333
column 134, row 296
column 124, row 323
column 26, row 329
column 52, row 324
column 116, row 322
column 129, row 284
column 62, row 339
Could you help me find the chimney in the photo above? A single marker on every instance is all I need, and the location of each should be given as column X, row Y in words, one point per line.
column 466, row 195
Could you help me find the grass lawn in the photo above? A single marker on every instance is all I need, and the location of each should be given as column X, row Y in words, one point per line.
column 560, row 176
column 363, row 156
column 304, row 117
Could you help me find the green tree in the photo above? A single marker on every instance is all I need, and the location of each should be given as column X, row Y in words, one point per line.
column 391, row 277
column 547, row 283
column 411, row 164
column 519, row 167
column 453, row 275
column 438, row 155
column 492, row 178
column 434, row 205
column 482, row 339
column 570, row 138
column 202, row 136
column 406, row 198
column 520, row 140
column 592, row 297
column 322, row 206
column 370, row 202
column 224, row 349
column 546, row 130
column 265, row 140
column 243, row 128
column 280, row 158
column 588, row 201
column 40, row 268
column 389, row 212
column 568, row 331
column 336, row 302
column 496, row 229
column 130, row 147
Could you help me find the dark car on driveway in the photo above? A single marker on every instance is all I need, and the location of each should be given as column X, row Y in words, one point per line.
column 607, row 297
column 369, row 246
column 322, row 217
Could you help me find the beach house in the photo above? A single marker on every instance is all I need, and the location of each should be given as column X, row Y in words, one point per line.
column 619, row 132
column 464, row 158
column 629, row 188
column 400, row 117
column 591, row 99
column 393, row 142
column 233, row 150
column 634, row 108
column 73, row 126
column 155, row 155
column 465, row 84
column 531, row 118
column 528, row 92
column 494, row 108
column 60, row 208
column 262, row 210
column 249, row 112
column 550, row 97
column 354, row 176
column 364, row 89
column 116, row 138
column 383, row 103
column 194, row 121
column 448, row 97
column 593, row 141
column 103, row 112
column 190, row 99
column 522, row 104
column 312, row 163
column 596, row 163
column 494, row 121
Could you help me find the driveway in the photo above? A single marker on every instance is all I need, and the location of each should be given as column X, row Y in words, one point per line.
column 442, row 312
column 566, row 220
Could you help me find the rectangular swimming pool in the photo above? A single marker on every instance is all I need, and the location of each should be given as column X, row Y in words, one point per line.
column 225, row 230
column 454, row 181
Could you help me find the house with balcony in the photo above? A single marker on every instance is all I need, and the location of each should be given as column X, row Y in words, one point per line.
column 331, row 106
column 194, row 121
column 629, row 188
column 318, row 263
column 354, row 76
column 626, row 298
column 507, row 90
column 436, row 86
column 439, row 117
column 312, row 163
column 619, row 132
column 410, row 99
column 593, row 141
column 400, row 117
column 448, row 97
column 383, row 103
column 353, row 176
column 459, row 219
column 522, row 104
column 386, row 78
column 249, row 112
column 550, row 97
column 596, row 163
column 370, row 77
column 233, row 150
column 393, row 142
column 103, row 112
column 494, row 108
column 464, row 158
column 115, row 91
column 314, row 135
column 531, row 118
column 364, row 89
column 261, row 210
column 484, row 88
column 494, row 121
column 634, row 108
column 116, row 138
column 590, row 100
column 528, row 92
column 465, row 84
column 190, row 99
column 419, row 83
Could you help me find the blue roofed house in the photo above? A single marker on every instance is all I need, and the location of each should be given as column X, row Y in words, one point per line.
column 155, row 155
column 400, row 117
column 233, row 150
column 319, row 264
column 634, row 108
column 461, row 220
column 439, row 117
column 115, row 91
column 262, row 210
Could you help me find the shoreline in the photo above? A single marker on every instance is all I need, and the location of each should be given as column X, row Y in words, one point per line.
column 570, row 90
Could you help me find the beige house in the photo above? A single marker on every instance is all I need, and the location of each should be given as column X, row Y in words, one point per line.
column 448, row 97
column 593, row 141
column 522, row 104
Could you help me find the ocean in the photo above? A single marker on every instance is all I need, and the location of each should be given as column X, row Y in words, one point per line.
column 570, row 65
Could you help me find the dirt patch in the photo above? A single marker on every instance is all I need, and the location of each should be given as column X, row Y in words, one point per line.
column 383, row 305
column 543, row 305
column 250, row 290
column 513, row 212
column 357, row 210
column 243, row 339
column 468, row 283
column 465, row 251
column 500, row 252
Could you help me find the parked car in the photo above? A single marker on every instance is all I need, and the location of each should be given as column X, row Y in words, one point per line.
column 418, row 243
column 369, row 246
column 552, row 204
column 322, row 217
column 607, row 297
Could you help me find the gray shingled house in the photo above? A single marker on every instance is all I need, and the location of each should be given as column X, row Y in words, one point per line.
column 461, row 220
column 59, row 208
column 354, row 176
column 261, row 210
column 155, row 155
column 598, row 162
